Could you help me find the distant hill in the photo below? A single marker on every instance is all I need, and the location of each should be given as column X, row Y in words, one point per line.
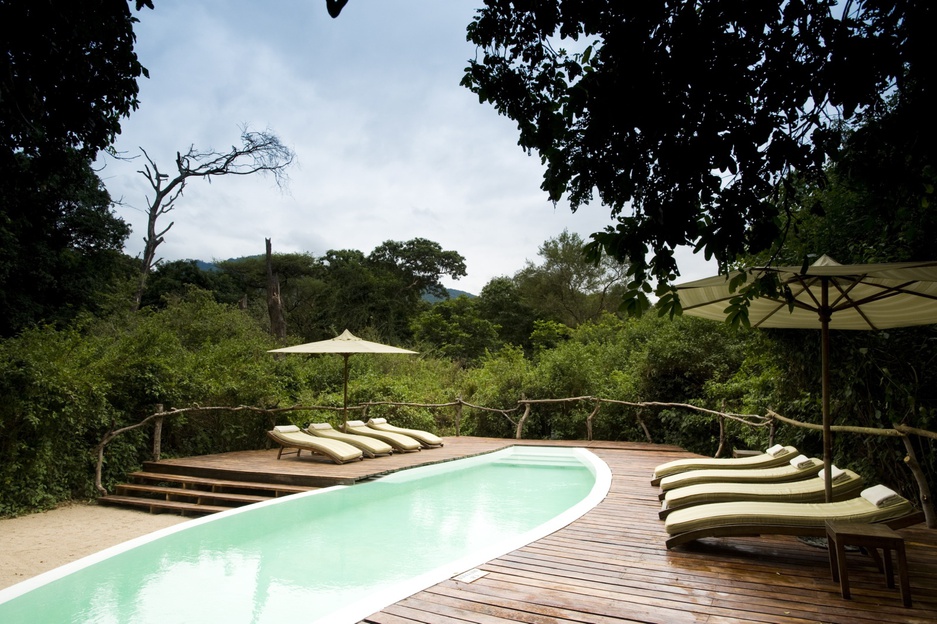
column 206, row 266
column 453, row 294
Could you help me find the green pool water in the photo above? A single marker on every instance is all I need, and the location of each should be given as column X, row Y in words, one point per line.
column 334, row 555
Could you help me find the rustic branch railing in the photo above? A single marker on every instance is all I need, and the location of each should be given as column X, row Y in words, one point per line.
column 751, row 420
column 898, row 431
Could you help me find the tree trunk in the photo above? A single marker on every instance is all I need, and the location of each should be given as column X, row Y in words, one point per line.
column 274, row 304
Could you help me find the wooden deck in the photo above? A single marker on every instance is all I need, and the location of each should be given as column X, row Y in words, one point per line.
column 611, row 566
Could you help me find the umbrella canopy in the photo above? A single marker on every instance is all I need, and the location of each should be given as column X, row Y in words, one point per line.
column 344, row 345
column 827, row 295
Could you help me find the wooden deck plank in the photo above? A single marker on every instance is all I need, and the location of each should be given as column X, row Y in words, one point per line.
column 611, row 565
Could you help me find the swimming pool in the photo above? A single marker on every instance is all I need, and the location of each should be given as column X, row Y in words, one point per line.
column 333, row 555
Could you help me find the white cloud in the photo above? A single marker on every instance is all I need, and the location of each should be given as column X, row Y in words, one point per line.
column 388, row 145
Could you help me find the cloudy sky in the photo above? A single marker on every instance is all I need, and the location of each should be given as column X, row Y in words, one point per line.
column 388, row 145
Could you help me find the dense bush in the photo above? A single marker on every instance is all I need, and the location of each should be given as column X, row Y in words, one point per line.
column 64, row 389
column 54, row 410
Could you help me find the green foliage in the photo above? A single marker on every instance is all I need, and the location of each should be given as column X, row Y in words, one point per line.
column 568, row 288
column 172, row 279
column 60, row 242
column 688, row 118
column 502, row 378
column 500, row 303
column 65, row 389
column 454, row 329
column 55, row 407
column 548, row 334
column 69, row 74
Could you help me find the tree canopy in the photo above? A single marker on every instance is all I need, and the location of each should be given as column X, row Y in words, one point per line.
column 693, row 120
column 67, row 76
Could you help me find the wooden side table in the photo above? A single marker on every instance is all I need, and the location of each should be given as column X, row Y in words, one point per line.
column 871, row 536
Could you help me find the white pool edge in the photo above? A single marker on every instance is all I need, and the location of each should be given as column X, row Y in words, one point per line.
column 376, row 601
column 372, row 603
column 39, row 580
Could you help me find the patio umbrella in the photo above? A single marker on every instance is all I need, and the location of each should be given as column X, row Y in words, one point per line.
column 827, row 295
column 344, row 345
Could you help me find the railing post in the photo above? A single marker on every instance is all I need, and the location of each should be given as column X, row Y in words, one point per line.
column 927, row 505
column 158, row 434
column 722, row 435
column 458, row 416
column 519, row 434
column 589, row 420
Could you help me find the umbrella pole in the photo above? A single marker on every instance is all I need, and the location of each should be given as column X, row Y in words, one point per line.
column 345, row 404
column 825, row 388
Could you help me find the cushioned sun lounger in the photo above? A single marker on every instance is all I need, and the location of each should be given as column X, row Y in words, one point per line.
column 777, row 455
column 371, row 447
column 846, row 486
column 291, row 437
column 738, row 519
column 425, row 438
column 399, row 441
column 805, row 468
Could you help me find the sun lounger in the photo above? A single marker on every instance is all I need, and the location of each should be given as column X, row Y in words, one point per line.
column 291, row 437
column 738, row 519
column 399, row 441
column 777, row 455
column 425, row 438
column 805, row 468
column 371, row 447
column 847, row 485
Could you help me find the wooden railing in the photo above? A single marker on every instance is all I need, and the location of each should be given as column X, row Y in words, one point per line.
column 525, row 406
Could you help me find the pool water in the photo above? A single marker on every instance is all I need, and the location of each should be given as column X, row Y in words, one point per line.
column 333, row 555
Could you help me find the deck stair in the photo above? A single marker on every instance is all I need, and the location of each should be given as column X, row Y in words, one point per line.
column 192, row 495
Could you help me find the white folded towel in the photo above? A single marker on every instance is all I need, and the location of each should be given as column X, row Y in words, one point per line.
column 836, row 474
column 319, row 426
column 881, row 496
column 801, row 461
column 775, row 450
column 286, row 428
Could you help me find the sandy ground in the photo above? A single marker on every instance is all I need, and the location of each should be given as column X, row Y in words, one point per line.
column 30, row 545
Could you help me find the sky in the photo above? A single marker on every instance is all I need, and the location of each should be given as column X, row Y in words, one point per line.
column 388, row 145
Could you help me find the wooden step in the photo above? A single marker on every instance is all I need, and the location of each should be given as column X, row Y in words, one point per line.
column 156, row 505
column 278, row 489
column 199, row 495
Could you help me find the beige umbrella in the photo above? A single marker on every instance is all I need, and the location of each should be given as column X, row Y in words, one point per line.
column 826, row 295
column 344, row 345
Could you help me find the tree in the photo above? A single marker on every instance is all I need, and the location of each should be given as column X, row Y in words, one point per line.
column 566, row 287
column 693, row 119
column 419, row 264
column 172, row 280
column 301, row 289
column 500, row 303
column 260, row 152
column 68, row 75
column 274, row 300
column 60, row 243
column 404, row 271
column 351, row 292
column 456, row 330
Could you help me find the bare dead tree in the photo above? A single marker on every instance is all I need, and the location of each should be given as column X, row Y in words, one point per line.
column 259, row 152
column 274, row 302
